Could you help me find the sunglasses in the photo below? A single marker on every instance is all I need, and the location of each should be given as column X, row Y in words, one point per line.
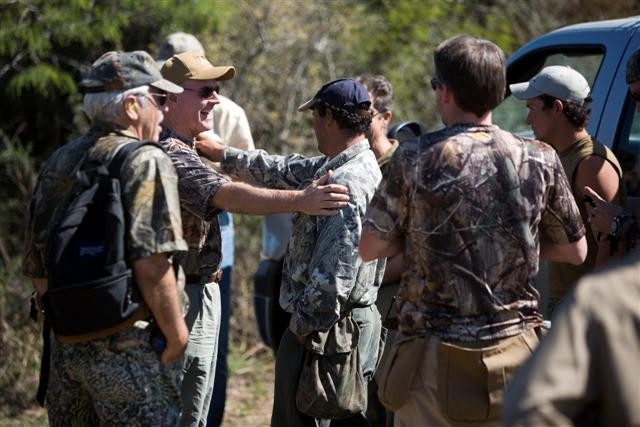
column 159, row 98
column 436, row 84
column 205, row 92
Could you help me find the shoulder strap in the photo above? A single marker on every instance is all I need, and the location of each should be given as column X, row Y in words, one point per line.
column 115, row 165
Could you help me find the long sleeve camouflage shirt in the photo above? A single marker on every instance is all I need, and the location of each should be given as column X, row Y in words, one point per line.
column 323, row 270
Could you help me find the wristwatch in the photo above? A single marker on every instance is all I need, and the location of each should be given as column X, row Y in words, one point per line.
column 616, row 222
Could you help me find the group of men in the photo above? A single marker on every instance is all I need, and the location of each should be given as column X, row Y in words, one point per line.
column 463, row 214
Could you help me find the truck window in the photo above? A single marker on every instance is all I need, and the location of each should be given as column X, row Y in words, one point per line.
column 627, row 148
column 511, row 114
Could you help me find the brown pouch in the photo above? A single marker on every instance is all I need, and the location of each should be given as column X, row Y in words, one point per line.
column 331, row 384
column 399, row 370
column 471, row 381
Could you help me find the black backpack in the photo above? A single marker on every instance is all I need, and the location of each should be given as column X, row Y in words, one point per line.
column 90, row 284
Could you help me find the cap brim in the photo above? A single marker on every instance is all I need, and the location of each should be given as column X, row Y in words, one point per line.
column 524, row 91
column 215, row 73
column 167, row 86
column 307, row 105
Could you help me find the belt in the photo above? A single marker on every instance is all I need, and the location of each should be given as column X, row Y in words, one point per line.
column 141, row 313
column 196, row 279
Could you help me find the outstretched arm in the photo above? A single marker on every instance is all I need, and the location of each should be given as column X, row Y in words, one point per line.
column 318, row 198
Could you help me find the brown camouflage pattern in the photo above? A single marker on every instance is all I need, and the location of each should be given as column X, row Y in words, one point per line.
column 113, row 381
column 150, row 198
column 472, row 203
column 197, row 184
column 322, row 270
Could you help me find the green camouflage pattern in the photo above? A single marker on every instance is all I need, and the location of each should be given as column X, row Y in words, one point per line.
column 114, row 381
column 197, row 184
column 149, row 197
column 472, row 203
column 323, row 270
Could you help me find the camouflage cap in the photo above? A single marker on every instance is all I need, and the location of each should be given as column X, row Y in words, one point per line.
column 633, row 67
column 116, row 71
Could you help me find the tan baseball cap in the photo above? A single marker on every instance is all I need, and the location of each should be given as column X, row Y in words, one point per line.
column 194, row 66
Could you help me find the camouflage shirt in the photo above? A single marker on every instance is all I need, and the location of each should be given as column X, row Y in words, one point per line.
column 197, row 184
column 322, row 268
column 149, row 197
column 471, row 203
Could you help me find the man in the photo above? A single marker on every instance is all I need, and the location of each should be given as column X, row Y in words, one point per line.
column 381, row 94
column 557, row 99
column 230, row 127
column 608, row 218
column 114, row 377
column 586, row 371
column 470, row 207
column 203, row 193
column 324, row 279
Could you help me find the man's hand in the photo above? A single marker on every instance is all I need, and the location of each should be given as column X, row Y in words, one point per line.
column 322, row 198
column 175, row 348
column 601, row 215
column 210, row 146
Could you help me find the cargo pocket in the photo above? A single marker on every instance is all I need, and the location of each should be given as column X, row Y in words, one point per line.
column 399, row 371
column 471, row 382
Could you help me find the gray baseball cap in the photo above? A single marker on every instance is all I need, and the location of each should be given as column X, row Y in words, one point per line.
column 559, row 81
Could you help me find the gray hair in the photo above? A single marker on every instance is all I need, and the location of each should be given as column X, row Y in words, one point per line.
column 106, row 106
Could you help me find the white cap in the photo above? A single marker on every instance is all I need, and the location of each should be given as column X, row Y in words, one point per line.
column 558, row 81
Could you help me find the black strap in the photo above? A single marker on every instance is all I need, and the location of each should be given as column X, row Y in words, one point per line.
column 44, row 363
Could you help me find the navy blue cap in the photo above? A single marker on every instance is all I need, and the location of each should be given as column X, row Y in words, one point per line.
column 346, row 94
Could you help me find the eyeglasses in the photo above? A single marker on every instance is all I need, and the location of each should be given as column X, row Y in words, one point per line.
column 436, row 83
column 159, row 99
column 634, row 96
column 205, row 92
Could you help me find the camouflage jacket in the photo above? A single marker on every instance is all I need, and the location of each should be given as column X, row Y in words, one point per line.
column 322, row 269
column 472, row 203
column 149, row 197
column 197, row 184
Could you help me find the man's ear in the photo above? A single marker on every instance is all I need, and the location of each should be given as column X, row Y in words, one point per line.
column 130, row 106
column 558, row 106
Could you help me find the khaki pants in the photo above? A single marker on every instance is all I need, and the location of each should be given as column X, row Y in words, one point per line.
column 463, row 384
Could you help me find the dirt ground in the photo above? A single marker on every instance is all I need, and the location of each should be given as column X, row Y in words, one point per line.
column 249, row 392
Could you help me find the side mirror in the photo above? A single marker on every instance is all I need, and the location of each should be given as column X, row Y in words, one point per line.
column 406, row 130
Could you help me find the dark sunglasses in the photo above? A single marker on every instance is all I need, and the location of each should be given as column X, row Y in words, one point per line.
column 159, row 98
column 435, row 83
column 205, row 92
column 635, row 96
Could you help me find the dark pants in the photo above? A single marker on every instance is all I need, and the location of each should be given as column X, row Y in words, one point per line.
column 216, row 408
column 290, row 358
